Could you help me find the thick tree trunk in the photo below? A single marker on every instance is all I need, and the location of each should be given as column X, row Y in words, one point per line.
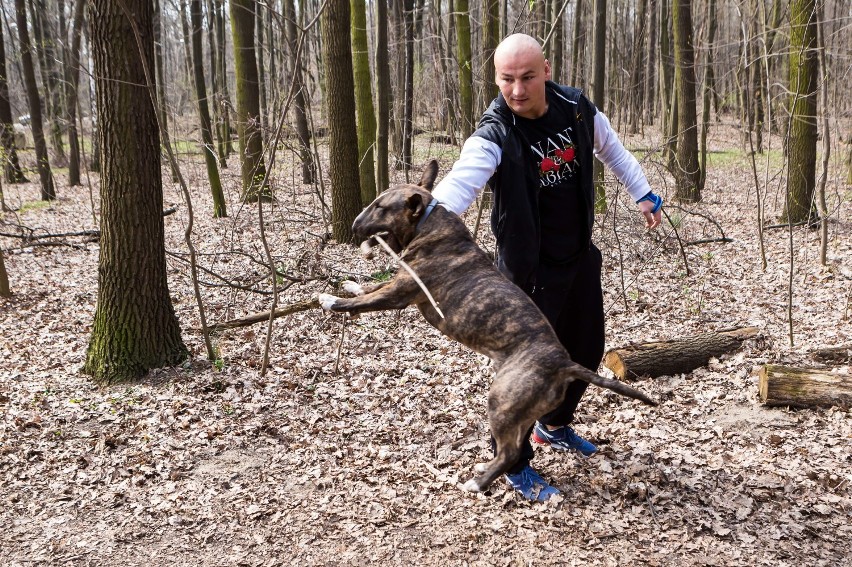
column 48, row 192
column 804, row 387
column 490, row 39
column 678, row 356
column 11, row 166
column 651, row 64
column 687, row 170
column 252, row 166
column 342, row 135
column 208, row 146
column 366, row 118
column 135, row 328
column 578, row 46
column 801, row 147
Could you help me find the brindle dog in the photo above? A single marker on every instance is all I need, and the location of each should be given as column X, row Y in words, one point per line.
column 482, row 310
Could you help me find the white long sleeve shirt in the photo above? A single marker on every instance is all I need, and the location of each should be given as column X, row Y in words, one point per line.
column 480, row 158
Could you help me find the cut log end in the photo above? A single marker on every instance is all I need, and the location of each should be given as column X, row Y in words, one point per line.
column 803, row 387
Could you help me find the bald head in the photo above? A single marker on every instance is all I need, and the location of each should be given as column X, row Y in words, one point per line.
column 520, row 71
column 518, row 45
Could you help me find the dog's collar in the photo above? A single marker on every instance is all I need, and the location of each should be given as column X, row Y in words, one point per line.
column 429, row 208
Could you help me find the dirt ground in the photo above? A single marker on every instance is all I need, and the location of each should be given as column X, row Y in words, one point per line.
column 352, row 448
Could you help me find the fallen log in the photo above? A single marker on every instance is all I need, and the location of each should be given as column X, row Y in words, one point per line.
column 838, row 355
column 259, row 317
column 803, row 387
column 678, row 356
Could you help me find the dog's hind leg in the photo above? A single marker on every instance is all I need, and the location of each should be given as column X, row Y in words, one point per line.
column 508, row 436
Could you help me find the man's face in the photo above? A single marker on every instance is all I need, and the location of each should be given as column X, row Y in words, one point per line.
column 520, row 76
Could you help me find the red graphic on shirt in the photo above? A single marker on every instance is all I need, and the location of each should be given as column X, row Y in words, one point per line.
column 566, row 155
column 548, row 164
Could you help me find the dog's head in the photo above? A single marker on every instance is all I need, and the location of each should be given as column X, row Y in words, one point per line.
column 395, row 213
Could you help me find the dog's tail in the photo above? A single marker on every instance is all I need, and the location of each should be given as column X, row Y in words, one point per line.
column 586, row 375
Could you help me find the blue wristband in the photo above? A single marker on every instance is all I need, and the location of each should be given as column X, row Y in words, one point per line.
column 656, row 199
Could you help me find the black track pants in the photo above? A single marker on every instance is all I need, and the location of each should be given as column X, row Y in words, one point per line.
column 571, row 298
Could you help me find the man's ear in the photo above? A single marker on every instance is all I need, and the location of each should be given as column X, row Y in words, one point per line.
column 414, row 206
column 427, row 180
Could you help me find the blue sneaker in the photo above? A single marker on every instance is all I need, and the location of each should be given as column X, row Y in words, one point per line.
column 563, row 439
column 531, row 485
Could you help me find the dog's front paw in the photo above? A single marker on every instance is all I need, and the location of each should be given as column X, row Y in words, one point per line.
column 472, row 486
column 327, row 301
column 353, row 288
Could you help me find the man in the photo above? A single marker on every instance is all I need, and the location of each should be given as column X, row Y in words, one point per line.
column 536, row 143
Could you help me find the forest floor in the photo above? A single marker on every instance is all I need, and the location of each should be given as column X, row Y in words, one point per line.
column 352, row 448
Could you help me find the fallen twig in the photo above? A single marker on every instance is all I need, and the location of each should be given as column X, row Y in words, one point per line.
column 266, row 315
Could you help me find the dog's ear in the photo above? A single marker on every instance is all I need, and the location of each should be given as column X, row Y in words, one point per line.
column 427, row 180
column 414, row 207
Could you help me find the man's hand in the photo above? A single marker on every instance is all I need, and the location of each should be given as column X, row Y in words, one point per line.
column 651, row 206
column 652, row 220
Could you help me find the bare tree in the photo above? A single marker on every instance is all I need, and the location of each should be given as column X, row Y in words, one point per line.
column 48, row 192
column 11, row 166
column 135, row 328
column 366, row 119
column 342, row 136
column 208, row 146
column 687, row 171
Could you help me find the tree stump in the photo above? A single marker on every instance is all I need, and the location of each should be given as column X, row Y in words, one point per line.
column 678, row 356
column 803, row 387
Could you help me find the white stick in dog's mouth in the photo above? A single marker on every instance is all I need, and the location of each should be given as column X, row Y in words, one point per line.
column 367, row 246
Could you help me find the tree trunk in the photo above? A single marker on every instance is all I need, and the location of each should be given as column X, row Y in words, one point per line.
column 224, row 101
column 463, row 54
column 303, row 133
column 72, row 85
column 383, row 97
column 651, row 64
column 637, row 81
column 804, row 387
column 262, row 84
column 342, row 135
column 366, row 119
column 801, row 148
column 599, row 94
column 490, row 39
column 706, row 89
column 208, row 147
column 5, row 291
column 135, row 328
column 48, row 192
column 687, row 170
column 578, row 46
column 667, row 358
column 45, row 46
column 667, row 106
column 408, row 87
column 252, row 167
column 159, row 61
column 11, row 165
